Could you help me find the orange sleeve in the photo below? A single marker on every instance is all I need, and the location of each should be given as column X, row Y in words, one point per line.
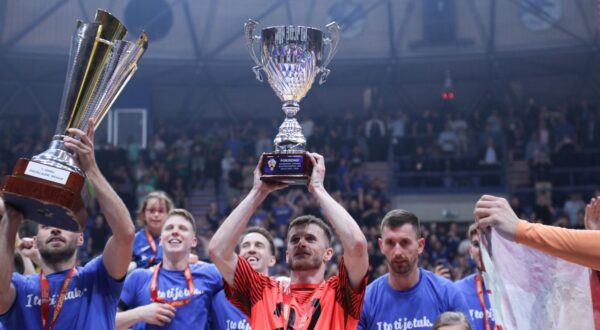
column 247, row 288
column 578, row 246
column 350, row 300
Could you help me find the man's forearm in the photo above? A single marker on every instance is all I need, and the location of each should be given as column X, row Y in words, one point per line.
column 118, row 249
column 356, row 257
column 126, row 319
column 221, row 248
column 8, row 235
column 345, row 227
column 114, row 210
column 226, row 238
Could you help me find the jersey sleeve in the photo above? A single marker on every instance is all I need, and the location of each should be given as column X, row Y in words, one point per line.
column 129, row 294
column 215, row 280
column 363, row 322
column 138, row 243
column 248, row 286
column 20, row 282
column 108, row 284
column 457, row 301
column 578, row 246
column 351, row 300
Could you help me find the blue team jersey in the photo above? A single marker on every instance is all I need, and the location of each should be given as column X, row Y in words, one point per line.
column 172, row 286
column 225, row 316
column 90, row 302
column 415, row 308
column 469, row 291
column 142, row 251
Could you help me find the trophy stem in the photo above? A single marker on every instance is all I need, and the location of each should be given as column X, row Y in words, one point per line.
column 58, row 156
column 290, row 138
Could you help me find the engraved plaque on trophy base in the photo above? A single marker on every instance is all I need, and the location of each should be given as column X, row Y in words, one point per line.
column 46, row 194
column 290, row 168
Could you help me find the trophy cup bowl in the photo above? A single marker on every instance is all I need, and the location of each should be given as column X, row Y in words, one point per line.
column 47, row 188
column 291, row 58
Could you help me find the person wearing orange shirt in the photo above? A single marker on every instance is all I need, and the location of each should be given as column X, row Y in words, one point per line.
column 577, row 246
column 310, row 301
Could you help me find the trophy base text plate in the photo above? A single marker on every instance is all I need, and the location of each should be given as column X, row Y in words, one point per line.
column 292, row 168
column 46, row 202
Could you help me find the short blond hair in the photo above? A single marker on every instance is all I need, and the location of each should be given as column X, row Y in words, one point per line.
column 184, row 214
column 451, row 318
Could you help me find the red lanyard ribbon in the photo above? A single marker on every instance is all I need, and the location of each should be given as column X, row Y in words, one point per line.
column 481, row 296
column 305, row 312
column 45, row 298
column 152, row 246
column 175, row 303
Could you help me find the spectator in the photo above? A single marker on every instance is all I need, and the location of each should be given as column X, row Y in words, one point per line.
column 572, row 207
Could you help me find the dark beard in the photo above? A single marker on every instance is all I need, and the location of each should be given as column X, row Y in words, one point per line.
column 313, row 263
column 53, row 258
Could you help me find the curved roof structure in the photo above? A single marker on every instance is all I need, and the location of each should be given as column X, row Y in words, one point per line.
column 400, row 50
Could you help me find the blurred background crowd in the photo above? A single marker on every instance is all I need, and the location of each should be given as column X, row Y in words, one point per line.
column 208, row 167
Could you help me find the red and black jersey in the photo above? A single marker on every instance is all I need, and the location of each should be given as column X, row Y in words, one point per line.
column 331, row 304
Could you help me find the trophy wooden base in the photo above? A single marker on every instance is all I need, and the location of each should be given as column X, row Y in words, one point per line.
column 293, row 169
column 46, row 195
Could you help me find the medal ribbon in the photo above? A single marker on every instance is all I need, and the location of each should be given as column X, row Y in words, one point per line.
column 287, row 306
column 152, row 246
column 175, row 303
column 481, row 296
column 45, row 298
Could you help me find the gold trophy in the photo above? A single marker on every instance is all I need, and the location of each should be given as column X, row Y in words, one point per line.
column 47, row 188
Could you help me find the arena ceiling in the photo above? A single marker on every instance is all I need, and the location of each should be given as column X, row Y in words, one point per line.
column 197, row 64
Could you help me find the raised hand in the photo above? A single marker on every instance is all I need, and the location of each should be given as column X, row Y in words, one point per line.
column 492, row 211
column 262, row 186
column 318, row 173
column 442, row 271
column 28, row 248
column 83, row 147
column 592, row 214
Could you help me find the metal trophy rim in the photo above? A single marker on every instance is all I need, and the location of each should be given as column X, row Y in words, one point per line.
column 295, row 26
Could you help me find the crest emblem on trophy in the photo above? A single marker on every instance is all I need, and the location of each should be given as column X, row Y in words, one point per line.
column 272, row 163
column 47, row 188
column 291, row 58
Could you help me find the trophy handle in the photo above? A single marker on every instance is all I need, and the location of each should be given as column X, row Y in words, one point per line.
column 250, row 38
column 332, row 40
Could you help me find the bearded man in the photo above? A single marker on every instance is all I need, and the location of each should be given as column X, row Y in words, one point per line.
column 309, row 302
column 62, row 295
column 408, row 297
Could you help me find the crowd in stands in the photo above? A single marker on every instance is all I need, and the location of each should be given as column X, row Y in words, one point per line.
column 220, row 156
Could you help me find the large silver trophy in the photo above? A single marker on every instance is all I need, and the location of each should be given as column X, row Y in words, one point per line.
column 291, row 58
column 48, row 187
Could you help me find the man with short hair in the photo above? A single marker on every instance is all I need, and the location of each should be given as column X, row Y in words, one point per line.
column 311, row 302
column 64, row 296
column 473, row 288
column 407, row 297
column 256, row 246
column 174, row 294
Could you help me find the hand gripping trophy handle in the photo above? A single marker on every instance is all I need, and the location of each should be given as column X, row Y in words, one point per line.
column 250, row 38
column 332, row 40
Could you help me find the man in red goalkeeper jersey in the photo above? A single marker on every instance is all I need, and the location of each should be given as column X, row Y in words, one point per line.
column 309, row 302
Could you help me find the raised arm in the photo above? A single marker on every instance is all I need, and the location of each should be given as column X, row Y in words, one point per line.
column 356, row 257
column 9, row 226
column 578, row 246
column 30, row 254
column 221, row 248
column 117, row 252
